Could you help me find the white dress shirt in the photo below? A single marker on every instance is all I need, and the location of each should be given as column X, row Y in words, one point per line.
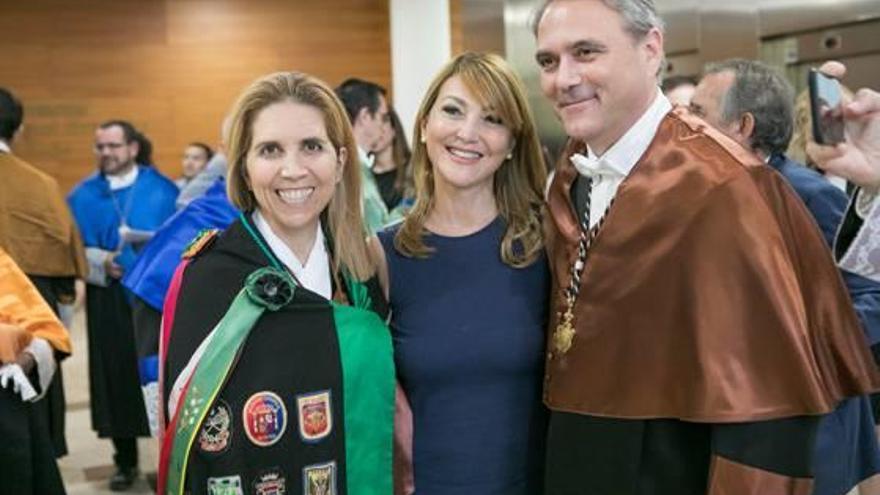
column 609, row 170
column 314, row 274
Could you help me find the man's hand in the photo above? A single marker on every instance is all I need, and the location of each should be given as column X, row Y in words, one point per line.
column 13, row 340
column 111, row 268
column 858, row 158
column 26, row 361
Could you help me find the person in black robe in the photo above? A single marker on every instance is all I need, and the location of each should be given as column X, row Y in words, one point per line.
column 277, row 373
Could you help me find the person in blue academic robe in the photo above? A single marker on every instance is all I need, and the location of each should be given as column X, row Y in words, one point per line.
column 117, row 209
column 150, row 276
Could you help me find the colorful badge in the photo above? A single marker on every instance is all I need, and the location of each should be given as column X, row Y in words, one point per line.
column 265, row 418
column 270, row 482
column 320, row 479
column 217, row 429
column 315, row 415
column 227, row 485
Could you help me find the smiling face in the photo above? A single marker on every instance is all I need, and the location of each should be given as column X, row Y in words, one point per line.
column 465, row 142
column 599, row 78
column 292, row 166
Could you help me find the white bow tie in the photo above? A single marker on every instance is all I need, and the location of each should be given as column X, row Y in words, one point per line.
column 593, row 167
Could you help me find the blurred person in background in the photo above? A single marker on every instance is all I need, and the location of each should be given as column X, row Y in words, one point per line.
column 144, row 155
column 30, row 336
column 195, row 157
column 367, row 110
column 214, row 169
column 752, row 104
column 857, row 159
column 391, row 168
column 117, row 209
column 679, row 89
column 38, row 232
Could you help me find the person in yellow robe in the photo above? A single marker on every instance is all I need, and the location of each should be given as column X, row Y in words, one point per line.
column 30, row 337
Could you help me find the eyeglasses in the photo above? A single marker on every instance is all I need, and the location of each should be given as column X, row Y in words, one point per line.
column 99, row 147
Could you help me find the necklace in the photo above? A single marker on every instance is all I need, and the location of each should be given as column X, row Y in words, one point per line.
column 563, row 336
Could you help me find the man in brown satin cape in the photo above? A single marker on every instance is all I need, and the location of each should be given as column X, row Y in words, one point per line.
column 38, row 233
column 709, row 325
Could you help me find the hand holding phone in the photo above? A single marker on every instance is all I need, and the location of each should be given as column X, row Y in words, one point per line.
column 826, row 108
column 858, row 158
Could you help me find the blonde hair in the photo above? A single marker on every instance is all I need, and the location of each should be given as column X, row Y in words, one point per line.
column 342, row 219
column 518, row 183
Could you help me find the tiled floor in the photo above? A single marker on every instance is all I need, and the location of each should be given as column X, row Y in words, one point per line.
column 89, row 465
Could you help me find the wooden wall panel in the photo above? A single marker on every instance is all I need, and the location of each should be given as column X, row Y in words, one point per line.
column 171, row 67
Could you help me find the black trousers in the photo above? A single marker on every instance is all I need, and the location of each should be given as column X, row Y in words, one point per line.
column 27, row 457
column 126, row 452
column 589, row 455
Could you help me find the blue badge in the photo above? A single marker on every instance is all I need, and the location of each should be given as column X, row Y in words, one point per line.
column 265, row 418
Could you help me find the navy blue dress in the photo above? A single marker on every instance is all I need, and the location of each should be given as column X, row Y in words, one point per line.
column 469, row 348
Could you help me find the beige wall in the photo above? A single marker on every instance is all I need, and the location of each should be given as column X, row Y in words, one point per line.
column 172, row 67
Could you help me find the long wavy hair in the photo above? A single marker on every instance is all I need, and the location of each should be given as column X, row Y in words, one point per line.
column 518, row 182
column 342, row 216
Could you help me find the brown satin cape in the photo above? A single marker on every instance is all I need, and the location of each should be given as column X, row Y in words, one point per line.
column 708, row 296
column 23, row 307
column 36, row 227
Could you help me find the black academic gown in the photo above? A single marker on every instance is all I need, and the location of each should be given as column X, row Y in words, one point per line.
column 116, row 398
column 277, row 365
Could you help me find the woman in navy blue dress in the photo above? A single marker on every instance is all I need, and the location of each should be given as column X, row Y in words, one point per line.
column 468, row 284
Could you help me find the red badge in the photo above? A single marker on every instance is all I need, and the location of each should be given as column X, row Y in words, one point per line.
column 265, row 418
column 315, row 416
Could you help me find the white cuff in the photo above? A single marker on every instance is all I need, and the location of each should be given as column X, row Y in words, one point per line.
column 97, row 273
column 45, row 359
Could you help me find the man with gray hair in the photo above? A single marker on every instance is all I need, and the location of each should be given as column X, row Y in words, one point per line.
column 753, row 104
column 698, row 327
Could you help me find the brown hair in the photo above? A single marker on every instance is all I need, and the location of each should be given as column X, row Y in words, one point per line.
column 343, row 219
column 518, row 183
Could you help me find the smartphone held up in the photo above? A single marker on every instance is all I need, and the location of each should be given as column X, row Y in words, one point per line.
column 826, row 108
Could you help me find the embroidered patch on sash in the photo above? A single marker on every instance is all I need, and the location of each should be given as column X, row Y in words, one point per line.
column 270, row 482
column 216, row 430
column 227, row 485
column 315, row 416
column 200, row 242
column 265, row 418
column 319, row 479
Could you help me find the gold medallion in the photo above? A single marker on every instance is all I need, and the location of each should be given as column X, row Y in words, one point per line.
column 564, row 334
